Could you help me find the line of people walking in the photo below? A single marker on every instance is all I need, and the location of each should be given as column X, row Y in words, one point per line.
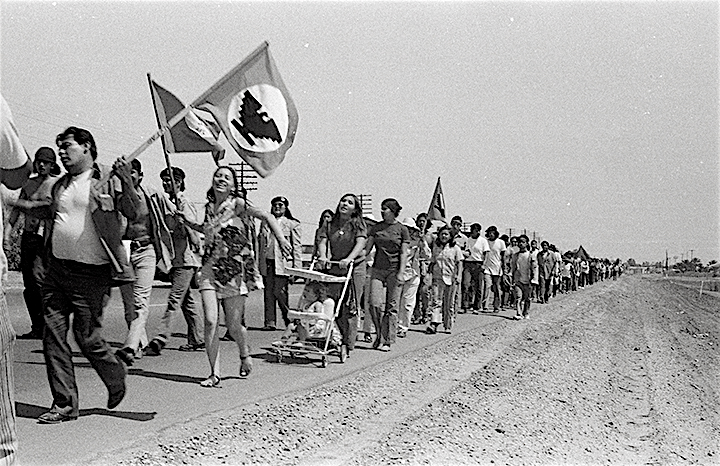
column 99, row 227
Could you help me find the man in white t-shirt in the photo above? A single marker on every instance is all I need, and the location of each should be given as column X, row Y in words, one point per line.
column 493, row 268
column 461, row 241
column 472, row 272
column 86, row 257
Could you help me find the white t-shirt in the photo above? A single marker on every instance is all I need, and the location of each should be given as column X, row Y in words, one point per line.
column 493, row 260
column 74, row 236
column 478, row 247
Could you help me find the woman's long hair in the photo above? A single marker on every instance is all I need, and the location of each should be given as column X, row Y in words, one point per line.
column 235, row 192
column 451, row 241
column 322, row 217
column 356, row 216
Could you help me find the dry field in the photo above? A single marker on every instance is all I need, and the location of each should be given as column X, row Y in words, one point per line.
column 623, row 372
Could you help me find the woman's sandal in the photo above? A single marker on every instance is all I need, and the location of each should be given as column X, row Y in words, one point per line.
column 245, row 366
column 211, row 382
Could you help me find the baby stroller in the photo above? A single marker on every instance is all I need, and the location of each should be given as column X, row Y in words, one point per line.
column 328, row 342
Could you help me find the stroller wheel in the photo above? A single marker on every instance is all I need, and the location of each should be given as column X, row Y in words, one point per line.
column 343, row 353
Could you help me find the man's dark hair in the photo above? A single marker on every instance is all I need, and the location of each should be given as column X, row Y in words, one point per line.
column 81, row 136
column 179, row 176
column 456, row 218
column 136, row 165
column 476, row 226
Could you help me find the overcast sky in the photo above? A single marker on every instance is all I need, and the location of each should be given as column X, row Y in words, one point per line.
column 587, row 123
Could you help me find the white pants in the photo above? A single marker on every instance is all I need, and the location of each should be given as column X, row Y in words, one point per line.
column 408, row 297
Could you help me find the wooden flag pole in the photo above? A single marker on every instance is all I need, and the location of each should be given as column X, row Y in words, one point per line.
column 173, row 195
column 158, row 134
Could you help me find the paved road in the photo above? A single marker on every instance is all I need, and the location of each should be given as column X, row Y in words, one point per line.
column 163, row 391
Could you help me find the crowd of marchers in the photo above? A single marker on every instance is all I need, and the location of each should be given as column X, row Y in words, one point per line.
column 91, row 227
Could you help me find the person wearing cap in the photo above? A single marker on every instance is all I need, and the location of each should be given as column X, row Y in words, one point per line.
column 418, row 250
column 35, row 192
column 272, row 261
column 185, row 263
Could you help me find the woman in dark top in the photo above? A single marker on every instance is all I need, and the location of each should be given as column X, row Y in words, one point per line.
column 325, row 218
column 390, row 239
column 346, row 235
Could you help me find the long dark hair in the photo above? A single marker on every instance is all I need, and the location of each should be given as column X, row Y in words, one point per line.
column 322, row 215
column 356, row 219
column 236, row 188
column 451, row 241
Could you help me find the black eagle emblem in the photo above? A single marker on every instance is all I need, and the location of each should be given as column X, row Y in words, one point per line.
column 253, row 122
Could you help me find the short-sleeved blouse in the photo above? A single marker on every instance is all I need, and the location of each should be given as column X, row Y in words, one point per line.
column 230, row 257
column 342, row 239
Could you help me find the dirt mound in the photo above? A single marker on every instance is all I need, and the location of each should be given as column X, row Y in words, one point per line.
column 622, row 372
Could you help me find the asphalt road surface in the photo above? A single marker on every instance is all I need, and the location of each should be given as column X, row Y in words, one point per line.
column 163, row 391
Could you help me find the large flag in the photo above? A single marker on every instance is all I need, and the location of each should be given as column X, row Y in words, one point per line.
column 194, row 133
column 436, row 211
column 254, row 110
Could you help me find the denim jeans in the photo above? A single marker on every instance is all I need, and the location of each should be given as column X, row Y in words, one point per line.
column 136, row 296
column 385, row 320
column 347, row 319
column 492, row 285
column 181, row 298
column 442, row 303
column 81, row 290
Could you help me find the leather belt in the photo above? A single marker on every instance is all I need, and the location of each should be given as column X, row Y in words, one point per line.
column 139, row 243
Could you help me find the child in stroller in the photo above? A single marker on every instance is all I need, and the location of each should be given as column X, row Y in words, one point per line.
column 314, row 320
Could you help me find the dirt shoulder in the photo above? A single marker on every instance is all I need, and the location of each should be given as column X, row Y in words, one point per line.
column 621, row 372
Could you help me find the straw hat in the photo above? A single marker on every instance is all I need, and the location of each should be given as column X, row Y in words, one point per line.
column 409, row 222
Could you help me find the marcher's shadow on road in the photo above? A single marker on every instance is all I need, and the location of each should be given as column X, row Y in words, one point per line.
column 29, row 411
column 500, row 316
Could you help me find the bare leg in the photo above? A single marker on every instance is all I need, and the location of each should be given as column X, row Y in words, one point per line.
column 234, row 317
column 212, row 336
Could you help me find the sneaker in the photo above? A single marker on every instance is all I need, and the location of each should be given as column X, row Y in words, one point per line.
column 193, row 347
column 385, row 348
column 431, row 330
column 526, row 316
column 518, row 317
column 402, row 333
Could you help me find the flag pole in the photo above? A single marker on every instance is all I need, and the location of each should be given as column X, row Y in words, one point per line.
column 158, row 134
column 173, row 196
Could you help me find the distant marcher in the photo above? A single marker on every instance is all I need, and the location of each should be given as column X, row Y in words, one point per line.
column 345, row 237
column 229, row 267
column 472, row 269
column 446, row 272
column 493, row 268
column 421, row 314
column 37, row 191
column 535, row 283
column 86, row 258
column 273, row 262
column 417, row 251
column 185, row 263
column 390, row 239
column 325, row 217
column 461, row 241
column 546, row 267
column 522, row 270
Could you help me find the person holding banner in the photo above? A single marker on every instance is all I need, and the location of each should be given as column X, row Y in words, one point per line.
column 229, row 266
column 86, row 258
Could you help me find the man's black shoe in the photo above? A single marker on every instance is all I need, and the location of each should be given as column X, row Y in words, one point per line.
column 115, row 397
column 126, row 355
column 52, row 417
column 154, row 347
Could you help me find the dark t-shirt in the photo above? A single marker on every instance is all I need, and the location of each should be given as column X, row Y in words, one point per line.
column 388, row 244
column 341, row 240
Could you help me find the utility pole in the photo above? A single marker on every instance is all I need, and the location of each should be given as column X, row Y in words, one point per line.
column 691, row 254
column 245, row 176
column 365, row 203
